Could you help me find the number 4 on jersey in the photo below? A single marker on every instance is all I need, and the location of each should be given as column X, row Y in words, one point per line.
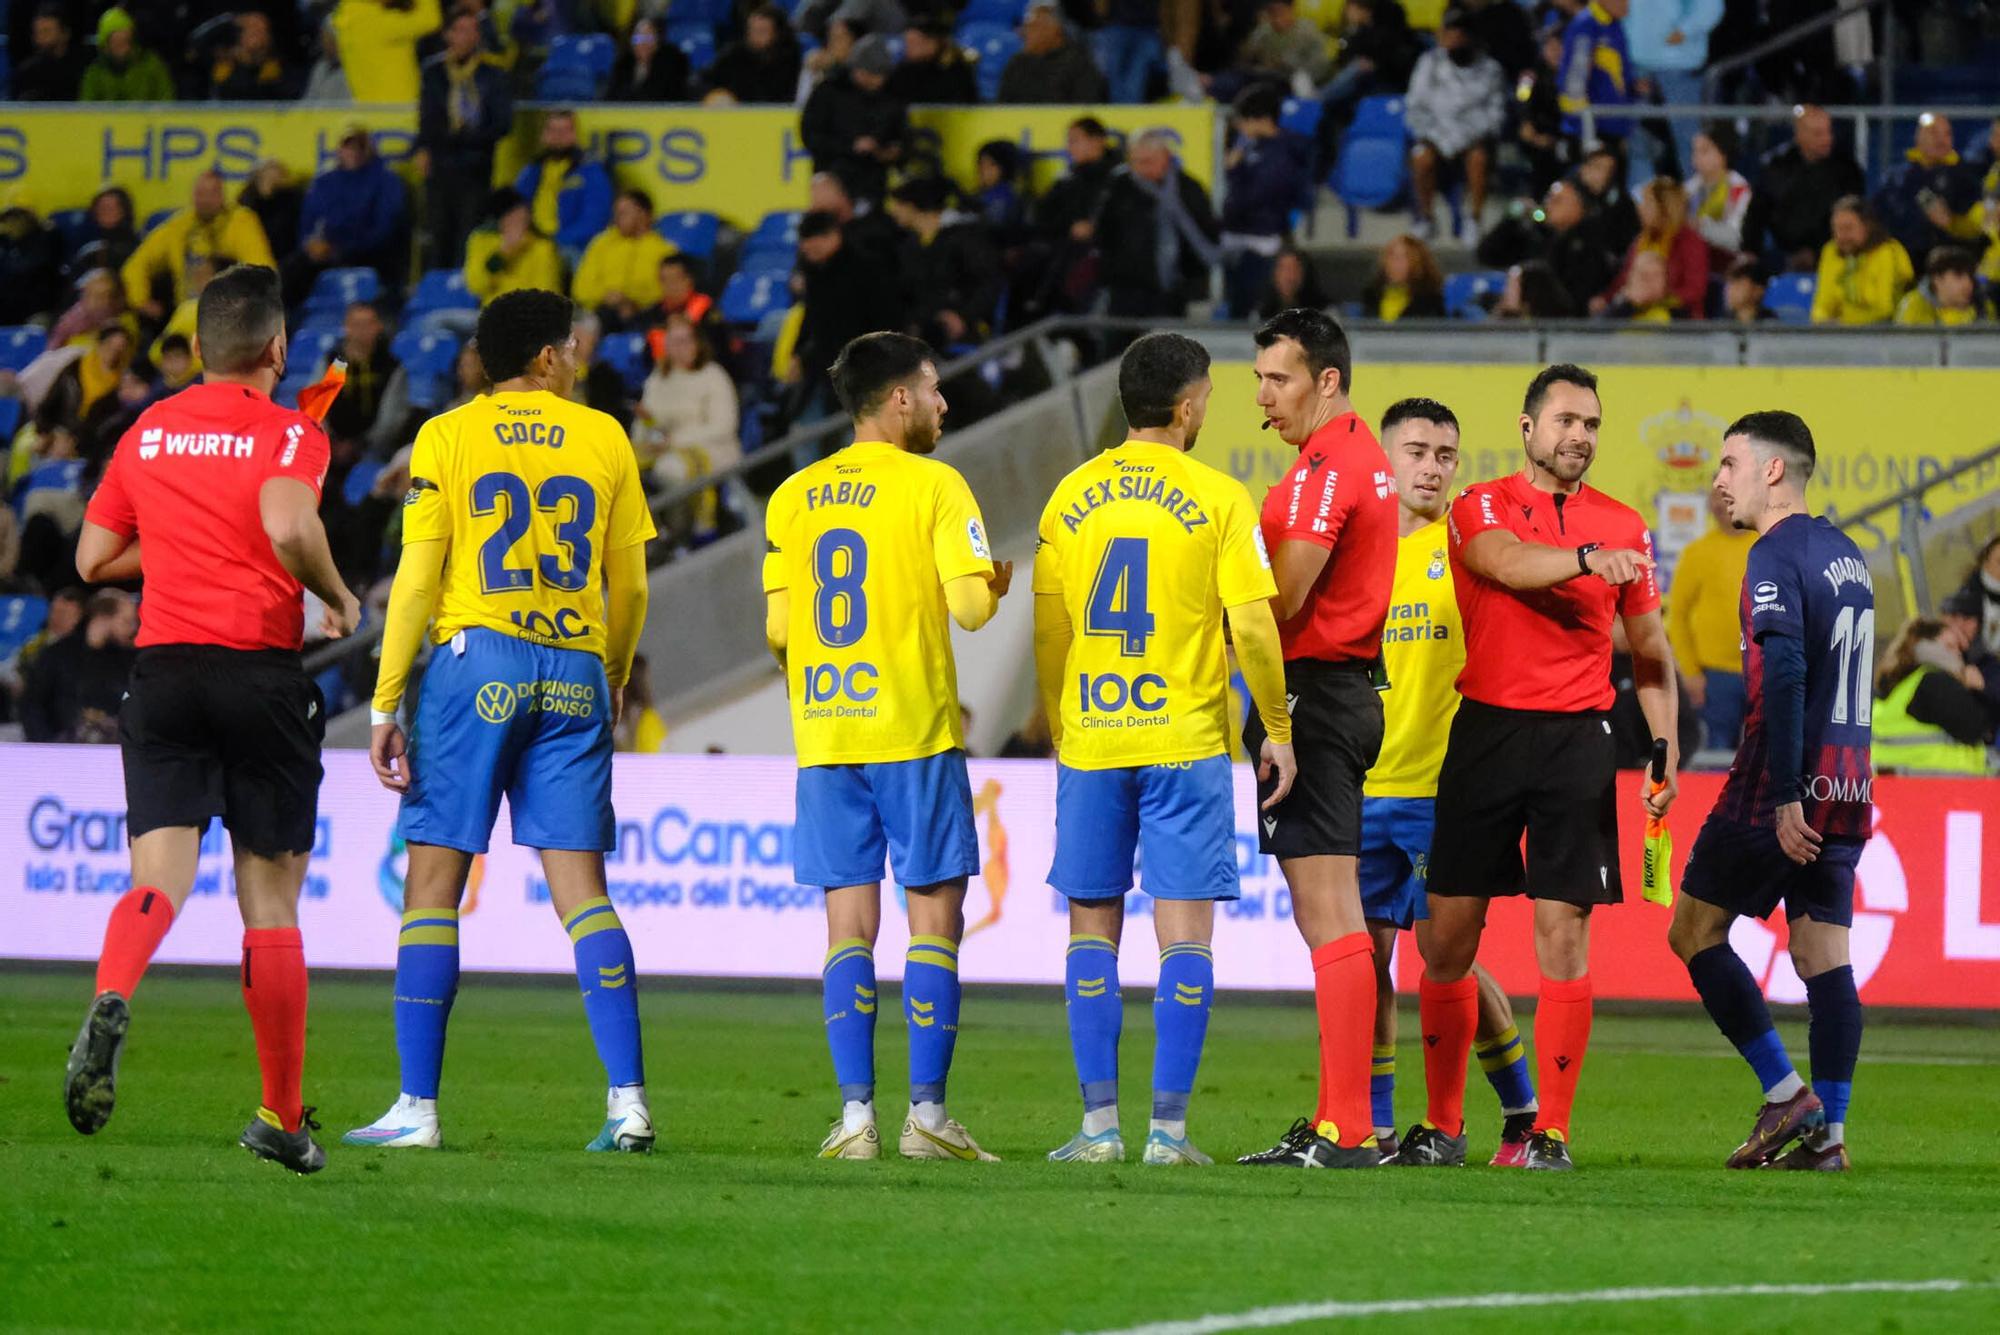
column 1118, row 603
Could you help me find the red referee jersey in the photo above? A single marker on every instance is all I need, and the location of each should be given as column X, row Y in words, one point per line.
column 1544, row 649
column 1341, row 496
column 185, row 481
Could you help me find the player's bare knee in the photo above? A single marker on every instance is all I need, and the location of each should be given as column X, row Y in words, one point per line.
column 938, row 910
column 1817, row 947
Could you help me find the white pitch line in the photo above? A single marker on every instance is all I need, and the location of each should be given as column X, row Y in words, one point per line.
column 1265, row 1318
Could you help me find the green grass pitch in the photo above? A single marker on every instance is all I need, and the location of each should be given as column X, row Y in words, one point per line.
column 161, row 1223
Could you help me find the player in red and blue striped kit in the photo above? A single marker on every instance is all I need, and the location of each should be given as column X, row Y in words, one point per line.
column 1796, row 808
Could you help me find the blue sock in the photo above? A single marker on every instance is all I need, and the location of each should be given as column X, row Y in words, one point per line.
column 1834, row 1037
column 1096, row 1016
column 1505, row 1060
column 426, row 985
column 930, row 1004
column 1181, row 1003
column 1737, row 1007
column 848, row 987
column 610, row 986
column 1382, row 1086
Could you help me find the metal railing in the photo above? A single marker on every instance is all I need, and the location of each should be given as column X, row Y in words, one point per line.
column 1871, row 145
column 1923, row 541
column 1885, row 58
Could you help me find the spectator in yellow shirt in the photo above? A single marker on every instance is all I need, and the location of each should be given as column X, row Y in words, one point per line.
column 511, row 254
column 210, row 229
column 1863, row 271
column 1703, row 610
column 620, row 272
column 1949, row 294
column 378, row 46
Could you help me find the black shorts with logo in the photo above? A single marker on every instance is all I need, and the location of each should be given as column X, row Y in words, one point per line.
column 1336, row 734
column 208, row 731
column 1509, row 772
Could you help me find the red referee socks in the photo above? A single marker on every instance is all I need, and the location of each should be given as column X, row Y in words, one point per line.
column 1344, row 986
column 274, row 992
column 139, row 922
column 1449, row 1015
column 1562, row 1036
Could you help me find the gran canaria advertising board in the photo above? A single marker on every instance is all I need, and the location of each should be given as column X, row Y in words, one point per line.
column 702, row 875
column 1878, row 431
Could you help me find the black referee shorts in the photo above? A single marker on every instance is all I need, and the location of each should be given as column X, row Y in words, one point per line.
column 1552, row 777
column 1336, row 734
column 208, row 731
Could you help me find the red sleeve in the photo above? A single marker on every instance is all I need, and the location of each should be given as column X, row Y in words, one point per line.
column 110, row 508
column 1642, row 595
column 1318, row 503
column 303, row 452
column 1473, row 513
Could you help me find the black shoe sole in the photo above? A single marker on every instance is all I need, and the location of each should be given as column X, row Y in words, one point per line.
column 273, row 1146
column 90, row 1080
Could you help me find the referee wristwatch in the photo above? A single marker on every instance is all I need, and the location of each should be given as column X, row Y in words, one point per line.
column 1583, row 556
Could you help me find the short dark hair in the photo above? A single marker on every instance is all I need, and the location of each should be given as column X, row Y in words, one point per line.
column 872, row 365
column 925, row 194
column 374, row 308
column 1091, row 126
column 1951, row 259
column 1319, row 337
column 1154, row 375
column 817, row 222
column 517, row 325
column 679, row 259
column 637, row 196
column 1562, row 373
column 1260, row 101
column 1417, row 410
column 173, row 343
column 1785, row 434
column 238, row 314
column 1750, row 267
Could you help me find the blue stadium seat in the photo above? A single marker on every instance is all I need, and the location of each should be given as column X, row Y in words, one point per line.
column 1300, row 116
column 766, row 259
column 692, row 231
column 21, row 345
column 628, row 355
column 11, row 413
column 336, row 289
column 588, row 51
column 1790, row 296
column 697, row 43
column 567, row 83
column 777, row 230
column 307, row 349
column 156, row 217
column 430, row 361
column 974, row 32
column 994, row 53
column 1462, row 291
column 749, row 297
column 1370, row 174
column 1378, row 117
column 439, row 290
column 21, row 619
column 711, row 12
column 1006, row 13
column 361, row 481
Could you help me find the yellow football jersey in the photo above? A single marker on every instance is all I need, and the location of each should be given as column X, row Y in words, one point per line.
column 1423, row 648
column 864, row 541
column 529, row 491
column 1146, row 547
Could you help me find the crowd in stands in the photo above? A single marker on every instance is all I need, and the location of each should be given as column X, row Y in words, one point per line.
column 707, row 336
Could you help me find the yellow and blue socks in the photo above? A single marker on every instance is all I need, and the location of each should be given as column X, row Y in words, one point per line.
column 930, row 1004
column 1504, row 1058
column 1181, row 1004
column 1096, row 1017
column 1834, row 1039
column 1382, row 1089
column 426, row 985
column 610, row 984
column 1737, row 1006
column 847, row 985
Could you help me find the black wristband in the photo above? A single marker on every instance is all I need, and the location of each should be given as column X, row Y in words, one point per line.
column 1583, row 556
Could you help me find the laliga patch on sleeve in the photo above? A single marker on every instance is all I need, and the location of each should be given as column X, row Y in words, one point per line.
column 418, row 486
column 977, row 536
column 1263, row 553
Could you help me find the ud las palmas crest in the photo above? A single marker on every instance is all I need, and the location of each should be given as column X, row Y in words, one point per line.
column 1683, row 446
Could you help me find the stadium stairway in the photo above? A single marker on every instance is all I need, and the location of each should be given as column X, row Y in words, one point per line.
column 713, row 678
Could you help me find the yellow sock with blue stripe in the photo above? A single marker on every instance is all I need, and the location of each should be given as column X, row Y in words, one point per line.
column 1382, row 1089
column 1181, row 1004
column 1504, row 1058
column 1096, row 1017
column 930, row 1004
column 610, row 985
column 847, row 991
column 426, row 985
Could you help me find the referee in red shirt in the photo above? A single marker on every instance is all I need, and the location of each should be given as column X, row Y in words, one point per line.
column 1330, row 528
column 1543, row 565
column 212, row 497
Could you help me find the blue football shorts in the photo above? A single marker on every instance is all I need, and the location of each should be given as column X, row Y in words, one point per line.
column 1741, row 868
column 1395, row 855
column 1180, row 819
column 915, row 814
column 498, row 716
